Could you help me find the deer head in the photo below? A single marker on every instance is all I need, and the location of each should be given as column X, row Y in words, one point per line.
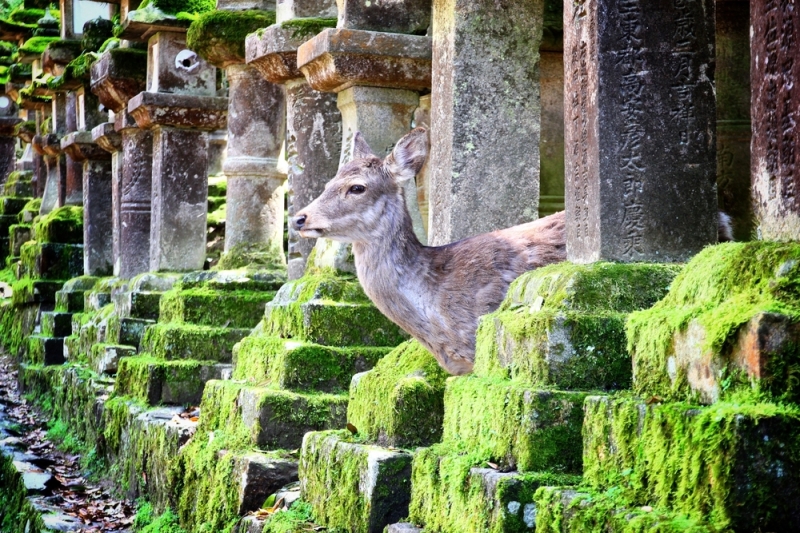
column 365, row 192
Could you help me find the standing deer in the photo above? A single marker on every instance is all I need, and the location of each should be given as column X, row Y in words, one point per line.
column 436, row 293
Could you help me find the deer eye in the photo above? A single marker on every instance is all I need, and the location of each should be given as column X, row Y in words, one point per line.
column 356, row 189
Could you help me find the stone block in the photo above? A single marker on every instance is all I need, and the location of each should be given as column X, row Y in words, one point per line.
column 104, row 358
column 563, row 325
column 370, row 485
column 70, row 299
column 293, row 9
column 407, row 17
column 126, row 331
column 6, row 221
column 273, row 52
column 137, row 304
column 19, row 234
column 725, row 326
column 72, row 348
column 260, row 476
column 293, row 365
column 269, row 418
column 173, row 69
column 63, row 225
column 400, row 401
column 35, row 292
column 51, row 261
column 12, row 205
column 151, row 109
column 119, row 75
column 515, row 425
column 337, row 59
column 735, row 464
column 208, row 307
column 45, row 350
column 55, row 324
column 188, row 341
column 330, row 311
column 451, row 495
column 156, row 381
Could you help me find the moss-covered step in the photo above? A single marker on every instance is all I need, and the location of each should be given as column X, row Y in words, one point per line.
column 72, row 348
column 157, row 382
column 243, row 279
column 735, row 465
column 515, row 425
column 62, row 225
column 563, row 325
column 400, row 401
column 92, row 327
column 45, row 350
column 70, row 298
column 567, row 510
column 12, row 205
column 51, row 261
column 329, row 310
column 137, row 304
column 290, row 364
column 30, row 291
column 351, row 486
column 56, row 324
column 6, row 221
column 458, row 493
column 18, row 183
column 730, row 322
column 30, row 212
column 18, row 234
column 141, row 445
column 188, row 341
column 210, row 307
column 269, row 418
column 126, row 331
column 104, row 358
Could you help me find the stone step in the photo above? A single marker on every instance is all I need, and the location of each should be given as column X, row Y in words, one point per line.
column 355, row 487
column 28, row 291
column 137, row 304
column 92, row 328
column 18, row 183
column 18, row 234
column 51, row 261
column 70, row 299
column 72, row 348
column 400, row 402
column 188, row 341
column 259, row 475
column 6, row 221
column 518, row 426
column 209, row 307
column 56, row 324
column 289, row 364
column 63, row 225
column 331, row 311
column 104, row 358
column 45, row 350
column 126, row 331
column 157, row 382
column 455, row 492
column 235, row 280
column 269, row 418
column 737, row 463
column 12, row 205
column 566, row 509
column 31, row 211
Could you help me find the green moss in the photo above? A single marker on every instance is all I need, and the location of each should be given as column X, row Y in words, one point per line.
column 399, row 402
column 3, row 75
column 205, row 306
column 254, row 256
column 20, row 71
column 26, row 16
column 28, row 127
column 188, row 341
column 17, row 514
column 218, row 36
column 301, row 366
column 453, row 491
column 308, row 27
column 51, row 261
column 176, row 6
column 37, row 45
column 95, row 34
column 294, row 520
column 730, row 464
column 109, row 44
column 61, row 225
column 721, row 289
column 154, row 380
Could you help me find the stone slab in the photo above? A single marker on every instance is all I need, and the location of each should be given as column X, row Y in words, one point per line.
column 166, row 382
column 188, row 341
column 273, row 52
column 206, row 113
column 137, row 304
column 412, row 16
column 260, row 476
column 119, row 76
column 219, row 308
column 104, row 358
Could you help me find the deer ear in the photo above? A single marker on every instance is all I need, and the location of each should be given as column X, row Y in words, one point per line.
column 360, row 147
column 409, row 155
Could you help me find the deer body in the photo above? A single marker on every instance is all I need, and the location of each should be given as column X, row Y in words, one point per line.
column 436, row 294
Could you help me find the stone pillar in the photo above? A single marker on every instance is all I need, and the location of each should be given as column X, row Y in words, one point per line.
column 775, row 147
column 179, row 107
column 640, row 130
column 551, row 142
column 485, row 115
column 118, row 76
column 732, row 79
column 8, row 154
column 313, row 122
column 73, row 191
column 54, row 194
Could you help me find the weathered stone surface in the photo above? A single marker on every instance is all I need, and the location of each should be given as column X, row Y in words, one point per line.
column 273, row 52
column 55, row 324
column 80, row 146
column 187, row 341
column 337, row 59
column 173, row 68
column 180, row 199
column 45, row 350
column 118, row 76
column 314, row 136
column 137, row 304
column 372, row 485
column 412, row 16
column 105, row 358
column 551, row 142
column 55, row 183
column 127, row 331
column 291, row 9
column 179, row 110
column 166, row 382
column 485, row 152
column 732, row 463
column 98, row 257
column 72, row 191
column 51, row 261
column 775, row 71
column 240, row 5
column 403, row 527
column 208, row 307
column 107, row 137
column 260, row 476
column 629, row 198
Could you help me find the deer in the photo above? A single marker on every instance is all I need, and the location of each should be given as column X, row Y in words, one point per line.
column 435, row 293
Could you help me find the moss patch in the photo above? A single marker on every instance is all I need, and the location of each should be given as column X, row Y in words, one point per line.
column 721, row 289
column 308, row 27
column 62, row 225
column 17, row 514
column 218, row 36
column 205, row 306
column 174, row 7
column 252, row 256
column 155, row 381
column 37, row 45
column 188, row 341
column 400, row 401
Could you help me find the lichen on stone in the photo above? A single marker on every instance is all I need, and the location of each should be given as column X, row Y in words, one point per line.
column 308, row 27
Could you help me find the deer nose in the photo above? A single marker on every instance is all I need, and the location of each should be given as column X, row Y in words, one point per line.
column 298, row 222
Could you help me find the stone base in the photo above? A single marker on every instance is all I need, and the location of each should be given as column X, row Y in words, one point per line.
column 187, row 341
column 736, row 465
column 352, row 486
column 51, row 261
column 289, row 364
column 400, row 402
column 166, row 382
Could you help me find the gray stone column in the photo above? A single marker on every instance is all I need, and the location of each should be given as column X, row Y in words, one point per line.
column 73, row 193
column 551, row 141
column 775, row 85
column 640, row 123
column 8, row 143
column 485, row 115
column 49, row 145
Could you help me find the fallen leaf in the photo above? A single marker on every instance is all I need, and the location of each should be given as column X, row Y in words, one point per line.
column 351, row 428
